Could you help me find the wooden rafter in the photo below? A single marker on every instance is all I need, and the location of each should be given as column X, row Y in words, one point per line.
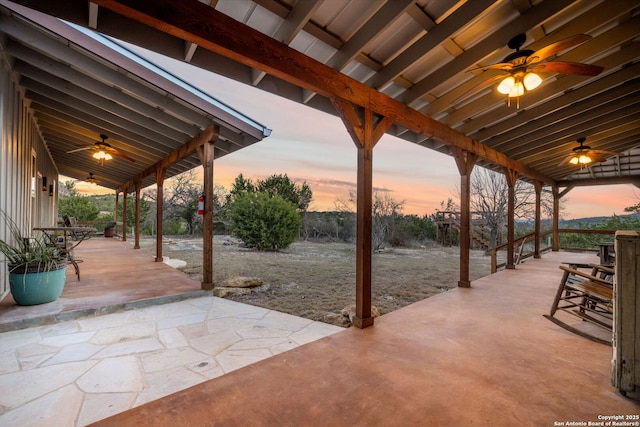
column 215, row 31
column 182, row 152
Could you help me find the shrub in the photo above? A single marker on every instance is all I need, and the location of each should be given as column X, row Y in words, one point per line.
column 265, row 222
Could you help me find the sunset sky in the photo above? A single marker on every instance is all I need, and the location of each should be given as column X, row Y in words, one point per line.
column 315, row 147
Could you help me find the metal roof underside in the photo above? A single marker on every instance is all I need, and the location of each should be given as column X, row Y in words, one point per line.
column 80, row 85
column 420, row 52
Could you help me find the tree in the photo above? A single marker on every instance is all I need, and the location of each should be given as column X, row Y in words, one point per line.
column 240, row 185
column 489, row 201
column 181, row 202
column 266, row 224
column 634, row 209
column 145, row 210
column 264, row 221
column 385, row 212
column 298, row 194
column 70, row 203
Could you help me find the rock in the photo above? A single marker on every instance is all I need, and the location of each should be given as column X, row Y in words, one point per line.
column 242, row 282
column 223, row 292
column 336, row 319
column 349, row 313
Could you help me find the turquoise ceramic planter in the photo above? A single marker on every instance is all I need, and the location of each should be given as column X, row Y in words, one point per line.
column 37, row 288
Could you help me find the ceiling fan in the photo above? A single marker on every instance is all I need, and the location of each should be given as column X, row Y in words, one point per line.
column 583, row 155
column 521, row 67
column 103, row 151
column 91, row 179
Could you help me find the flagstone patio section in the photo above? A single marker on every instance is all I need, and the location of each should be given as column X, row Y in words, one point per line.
column 76, row 372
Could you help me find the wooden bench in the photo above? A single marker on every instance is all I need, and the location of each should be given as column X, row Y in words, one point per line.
column 588, row 296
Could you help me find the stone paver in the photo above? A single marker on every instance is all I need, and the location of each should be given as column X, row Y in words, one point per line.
column 80, row 371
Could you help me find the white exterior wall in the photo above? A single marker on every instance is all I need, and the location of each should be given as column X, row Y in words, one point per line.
column 24, row 160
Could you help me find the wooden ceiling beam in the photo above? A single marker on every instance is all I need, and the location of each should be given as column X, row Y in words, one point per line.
column 634, row 180
column 200, row 24
column 210, row 134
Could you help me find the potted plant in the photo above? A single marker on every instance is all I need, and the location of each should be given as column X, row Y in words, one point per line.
column 37, row 272
column 110, row 229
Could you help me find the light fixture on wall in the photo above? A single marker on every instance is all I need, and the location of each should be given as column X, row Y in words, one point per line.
column 44, row 183
column 50, row 190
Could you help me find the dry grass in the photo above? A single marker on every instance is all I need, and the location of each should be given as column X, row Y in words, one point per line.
column 317, row 280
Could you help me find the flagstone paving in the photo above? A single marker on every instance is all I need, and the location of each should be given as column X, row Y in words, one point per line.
column 79, row 371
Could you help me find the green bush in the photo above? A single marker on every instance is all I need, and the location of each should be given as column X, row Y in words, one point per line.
column 265, row 222
column 80, row 207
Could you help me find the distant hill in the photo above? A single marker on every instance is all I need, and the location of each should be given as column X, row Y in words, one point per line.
column 575, row 223
column 579, row 222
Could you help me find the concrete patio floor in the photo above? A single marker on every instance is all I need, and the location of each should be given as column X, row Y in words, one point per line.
column 482, row 356
column 479, row 356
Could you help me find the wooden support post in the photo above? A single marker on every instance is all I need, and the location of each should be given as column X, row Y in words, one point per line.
column 365, row 133
column 512, row 177
column 206, row 153
column 137, row 230
column 115, row 210
column 555, row 247
column 124, row 214
column 536, row 251
column 557, row 195
column 159, row 198
column 465, row 162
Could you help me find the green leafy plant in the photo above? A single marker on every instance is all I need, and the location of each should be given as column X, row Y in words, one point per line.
column 26, row 255
column 265, row 222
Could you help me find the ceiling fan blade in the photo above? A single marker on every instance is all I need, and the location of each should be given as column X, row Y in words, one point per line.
column 596, row 158
column 556, row 47
column 567, row 68
column 79, row 149
column 505, row 66
column 119, row 154
column 600, row 152
column 478, row 88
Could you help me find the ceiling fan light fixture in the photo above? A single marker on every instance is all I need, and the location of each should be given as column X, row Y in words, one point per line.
column 531, row 81
column 584, row 159
column 518, row 90
column 102, row 155
column 506, row 86
column 574, row 160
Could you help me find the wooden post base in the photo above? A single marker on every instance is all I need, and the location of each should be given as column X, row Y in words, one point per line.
column 362, row 323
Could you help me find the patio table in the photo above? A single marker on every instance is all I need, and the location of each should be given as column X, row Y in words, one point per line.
column 79, row 233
